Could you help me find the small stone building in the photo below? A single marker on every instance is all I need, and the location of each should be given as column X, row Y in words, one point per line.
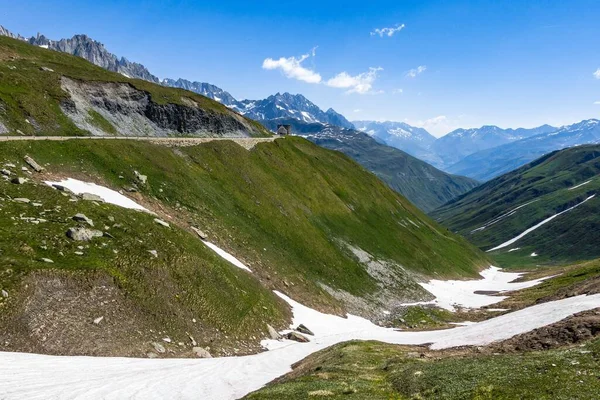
column 284, row 129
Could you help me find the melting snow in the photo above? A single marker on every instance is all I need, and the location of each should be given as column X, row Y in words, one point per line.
column 501, row 217
column 451, row 294
column 33, row 376
column 226, row 255
column 581, row 184
column 108, row 195
column 533, row 228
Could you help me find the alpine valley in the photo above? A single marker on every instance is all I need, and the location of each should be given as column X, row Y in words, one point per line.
column 160, row 238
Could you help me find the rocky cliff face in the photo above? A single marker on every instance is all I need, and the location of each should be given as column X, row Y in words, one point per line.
column 119, row 108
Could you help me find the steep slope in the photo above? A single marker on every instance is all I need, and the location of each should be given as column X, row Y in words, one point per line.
column 415, row 141
column 490, row 163
column 460, row 143
column 305, row 220
column 424, row 185
column 556, row 186
column 45, row 92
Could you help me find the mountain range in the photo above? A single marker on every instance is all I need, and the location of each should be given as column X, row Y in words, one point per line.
column 479, row 153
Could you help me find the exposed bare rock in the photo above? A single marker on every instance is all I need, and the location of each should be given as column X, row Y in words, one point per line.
column 83, row 234
column 82, row 218
column 34, row 165
column 201, row 352
column 200, row 233
column 303, row 329
column 161, row 222
column 18, row 180
column 296, row 337
column 273, row 334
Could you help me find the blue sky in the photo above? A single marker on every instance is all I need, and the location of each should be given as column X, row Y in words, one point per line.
column 507, row 63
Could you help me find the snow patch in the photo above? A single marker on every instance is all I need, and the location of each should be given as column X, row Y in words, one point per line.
column 108, row 195
column 533, row 228
column 452, row 294
column 580, row 185
column 226, row 255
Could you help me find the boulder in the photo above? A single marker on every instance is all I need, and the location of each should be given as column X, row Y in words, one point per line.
column 82, row 218
column 91, row 197
column 47, row 260
column 154, row 253
column 5, row 172
column 200, row 234
column 22, row 200
column 201, row 352
column 159, row 347
column 142, row 179
column 4, row 293
column 273, row 334
column 18, row 180
column 46, row 69
column 61, row 188
column 31, row 162
column 303, row 329
column 83, row 234
column 296, row 337
column 98, row 320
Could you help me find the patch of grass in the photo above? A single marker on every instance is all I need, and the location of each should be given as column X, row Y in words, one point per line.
column 568, row 278
column 371, row 370
column 100, row 122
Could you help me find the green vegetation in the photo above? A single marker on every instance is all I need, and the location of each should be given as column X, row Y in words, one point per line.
column 284, row 208
column 371, row 370
column 100, row 122
column 545, row 183
column 567, row 281
column 424, row 185
column 30, row 96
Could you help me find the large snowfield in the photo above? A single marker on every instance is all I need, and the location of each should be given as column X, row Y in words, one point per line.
column 32, row 376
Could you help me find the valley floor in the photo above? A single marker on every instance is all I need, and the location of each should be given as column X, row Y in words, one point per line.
column 34, row 376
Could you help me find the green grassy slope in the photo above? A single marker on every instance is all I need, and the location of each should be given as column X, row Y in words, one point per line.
column 29, row 93
column 371, row 370
column 283, row 207
column 424, row 185
column 545, row 183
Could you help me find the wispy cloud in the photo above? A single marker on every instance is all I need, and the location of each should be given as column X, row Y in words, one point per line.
column 397, row 91
column 389, row 32
column 413, row 73
column 292, row 67
column 597, row 74
column 597, row 103
column 437, row 126
column 357, row 110
column 361, row 83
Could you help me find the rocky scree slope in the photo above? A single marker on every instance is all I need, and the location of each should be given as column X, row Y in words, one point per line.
column 45, row 92
column 507, row 206
column 306, row 221
column 422, row 184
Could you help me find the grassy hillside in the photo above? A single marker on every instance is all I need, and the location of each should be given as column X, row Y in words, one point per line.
column 424, row 185
column 31, row 93
column 292, row 211
column 541, row 189
column 372, row 370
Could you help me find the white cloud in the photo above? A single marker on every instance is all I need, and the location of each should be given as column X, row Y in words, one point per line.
column 357, row 110
column 389, row 32
column 416, row 71
column 597, row 74
column 397, row 91
column 597, row 102
column 293, row 69
column 361, row 83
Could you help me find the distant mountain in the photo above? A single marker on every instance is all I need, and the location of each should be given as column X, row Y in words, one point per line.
column 415, row 141
column 487, row 164
column 93, row 51
column 205, row 89
column 555, row 185
column 460, row 143
column 422, row 184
